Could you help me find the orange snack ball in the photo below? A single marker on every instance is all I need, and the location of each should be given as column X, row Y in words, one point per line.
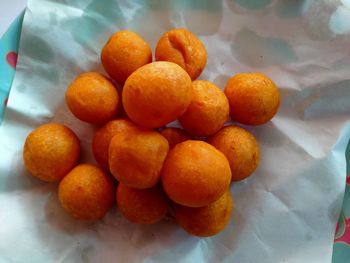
column 253, row 98
column 142, row 206
column 51, row 151
column 183, row 48
column 240, row 148
column 208, row 111
column 124, row 52
column 174, row 136
column 103, row 137
column 195, row 174
column 205, row 221
column 92, row 98
column 86, row 193
column 136, row 157
column 157, row 94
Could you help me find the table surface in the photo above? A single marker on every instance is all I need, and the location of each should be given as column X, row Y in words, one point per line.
column 9, row 10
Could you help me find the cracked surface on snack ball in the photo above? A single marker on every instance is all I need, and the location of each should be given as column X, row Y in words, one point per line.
column 183, row 48
column 103, row 137
column 208, row 110
column 136, row 157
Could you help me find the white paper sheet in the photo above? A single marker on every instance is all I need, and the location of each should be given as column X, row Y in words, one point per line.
column 285, row 212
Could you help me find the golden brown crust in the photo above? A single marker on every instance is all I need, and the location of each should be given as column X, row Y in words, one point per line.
column 103, row 137
column 253, row 98
column 157, row 94
column 93, row 98
column 183, row 48
column 142, row 206
column 174, row 136
column 125, row 52
column 208, row 110
column 195, row 174
column 240, row 148
column 136, row 157
column 205, row 221
column 86, row 193
column 51, row 151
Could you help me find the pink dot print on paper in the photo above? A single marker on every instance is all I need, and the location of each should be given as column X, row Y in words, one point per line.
column 345, row 238
column 11, row 59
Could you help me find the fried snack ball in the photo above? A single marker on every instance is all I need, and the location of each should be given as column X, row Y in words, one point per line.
column 92, row 98
column 195, row 174
column 208, row 111
column 240, row 148
column 205, row 221
column 156, row 94
column 174, row 136
column 183, row 48
column 136, row 157
column 142, row 206
column 86, row 193
column 103, row 137
column 51, row 151
column 124, row 52
column 253, row 98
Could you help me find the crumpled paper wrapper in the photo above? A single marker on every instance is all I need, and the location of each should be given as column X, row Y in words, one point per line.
column 285, row 212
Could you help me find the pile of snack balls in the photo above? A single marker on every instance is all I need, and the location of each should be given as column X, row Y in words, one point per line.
column 159, row 169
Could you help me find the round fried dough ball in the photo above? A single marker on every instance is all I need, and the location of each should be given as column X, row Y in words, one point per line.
column 174, row 136
column 156, row 94
column 124, row 52
column 136, row 157
column 92, row 98
column 195, row 174
column 183, row 48
column 208, row 111
column 240, row 148
column 51, row 151
column 142, row 206
column 86, row 193
column 205, row 221
column 103, row 136
column 253, row 98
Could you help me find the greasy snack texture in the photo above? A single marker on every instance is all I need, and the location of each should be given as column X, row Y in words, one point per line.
column 142, row 206
column 125, row 52
column 183, row 48
column 174, row 136
column 86, row 193
column 51, row 151
column 195, row 174
column 205, row 221
column 92, row 98
column 136, row 157
column 240, row 148
column 253, row 98
column 208, row 110
column 103, row 136
column 157, row 94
